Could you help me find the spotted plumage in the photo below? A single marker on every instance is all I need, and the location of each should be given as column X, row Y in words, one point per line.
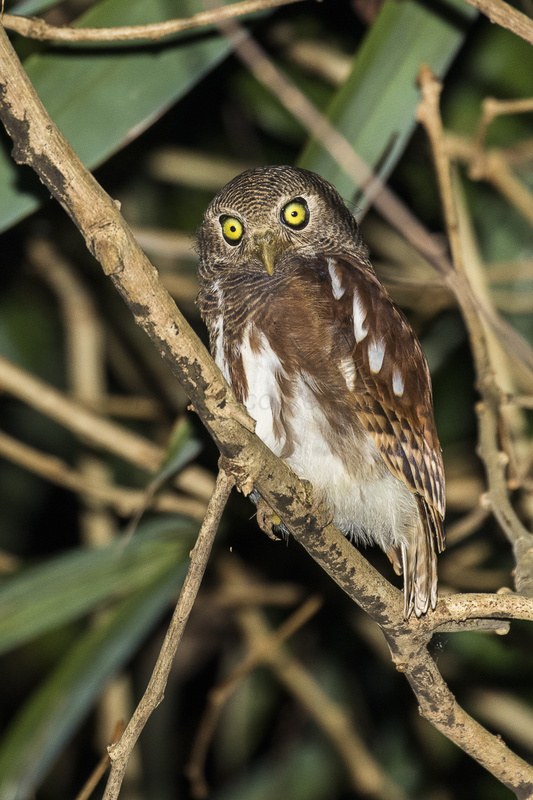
column 326, row 363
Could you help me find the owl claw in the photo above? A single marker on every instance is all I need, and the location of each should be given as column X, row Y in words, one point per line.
column 267, row 520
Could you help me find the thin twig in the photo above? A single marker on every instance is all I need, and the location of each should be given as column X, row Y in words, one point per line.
column 122, row 500
column 492, row 108
column 94, row 428
column 495, row 170
column 35, row 28
column 119, row 753
column 489, row 410
column 100, row 770
column 494, row 166
column 505, row 15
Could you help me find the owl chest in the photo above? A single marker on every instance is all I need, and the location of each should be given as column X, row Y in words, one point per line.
column 290, row 415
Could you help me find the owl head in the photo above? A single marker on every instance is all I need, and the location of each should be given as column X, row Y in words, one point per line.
column 268, row 213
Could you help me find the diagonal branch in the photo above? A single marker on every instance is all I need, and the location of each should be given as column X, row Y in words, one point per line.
column 489, row 409
column 35, row 28
column 119, row 753
column 503, row 14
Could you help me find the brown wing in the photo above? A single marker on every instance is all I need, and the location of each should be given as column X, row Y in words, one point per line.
column 392, row 386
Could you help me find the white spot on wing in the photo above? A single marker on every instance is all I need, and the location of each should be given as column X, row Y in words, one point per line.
column 398, row 386
column 263, row 370
column 347, row 368
column 217, row 335
column 376, row 354
column 359, row 317
column 336, row 286
column 218, row 338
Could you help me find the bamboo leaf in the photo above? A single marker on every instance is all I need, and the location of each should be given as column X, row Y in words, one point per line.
column 58, row 707
column 64, row 588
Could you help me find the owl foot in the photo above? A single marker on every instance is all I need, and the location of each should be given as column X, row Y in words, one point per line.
column 268, row 520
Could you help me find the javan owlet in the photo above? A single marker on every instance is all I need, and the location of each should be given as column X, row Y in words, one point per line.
column 326, row 363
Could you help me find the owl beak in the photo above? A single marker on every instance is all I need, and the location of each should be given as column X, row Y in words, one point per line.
column 267, row 257
column 267, row 248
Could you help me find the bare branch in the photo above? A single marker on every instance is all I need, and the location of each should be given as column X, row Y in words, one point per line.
column 505, row 15
column 119, row 753
column 489, row 410
column 123, row 500
column 35, row 28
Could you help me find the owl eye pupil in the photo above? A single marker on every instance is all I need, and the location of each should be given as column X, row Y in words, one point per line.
column 232, row 229
column 295, row 214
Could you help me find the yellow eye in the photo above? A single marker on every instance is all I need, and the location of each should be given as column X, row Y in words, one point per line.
column 295, row 213
column 232, row 229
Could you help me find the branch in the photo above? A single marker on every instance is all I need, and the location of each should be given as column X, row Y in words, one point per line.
column 95, row 428
column 119, row 753
column 506, row 16
column 35, row 28
column 489, row 409
column 122, row 500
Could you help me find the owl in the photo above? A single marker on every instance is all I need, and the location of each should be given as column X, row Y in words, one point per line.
column 326, row 363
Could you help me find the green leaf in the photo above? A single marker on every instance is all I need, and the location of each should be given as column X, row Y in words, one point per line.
column 113, row 93
column 64, row 588
column 58, row 707
column 32, row 7
column 375, row 108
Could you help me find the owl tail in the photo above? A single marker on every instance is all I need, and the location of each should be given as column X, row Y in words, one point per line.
column 419, row 563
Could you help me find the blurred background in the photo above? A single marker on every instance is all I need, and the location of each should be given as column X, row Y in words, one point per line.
column 89, row 413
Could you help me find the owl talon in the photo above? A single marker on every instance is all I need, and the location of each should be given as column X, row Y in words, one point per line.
column 267, row 520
